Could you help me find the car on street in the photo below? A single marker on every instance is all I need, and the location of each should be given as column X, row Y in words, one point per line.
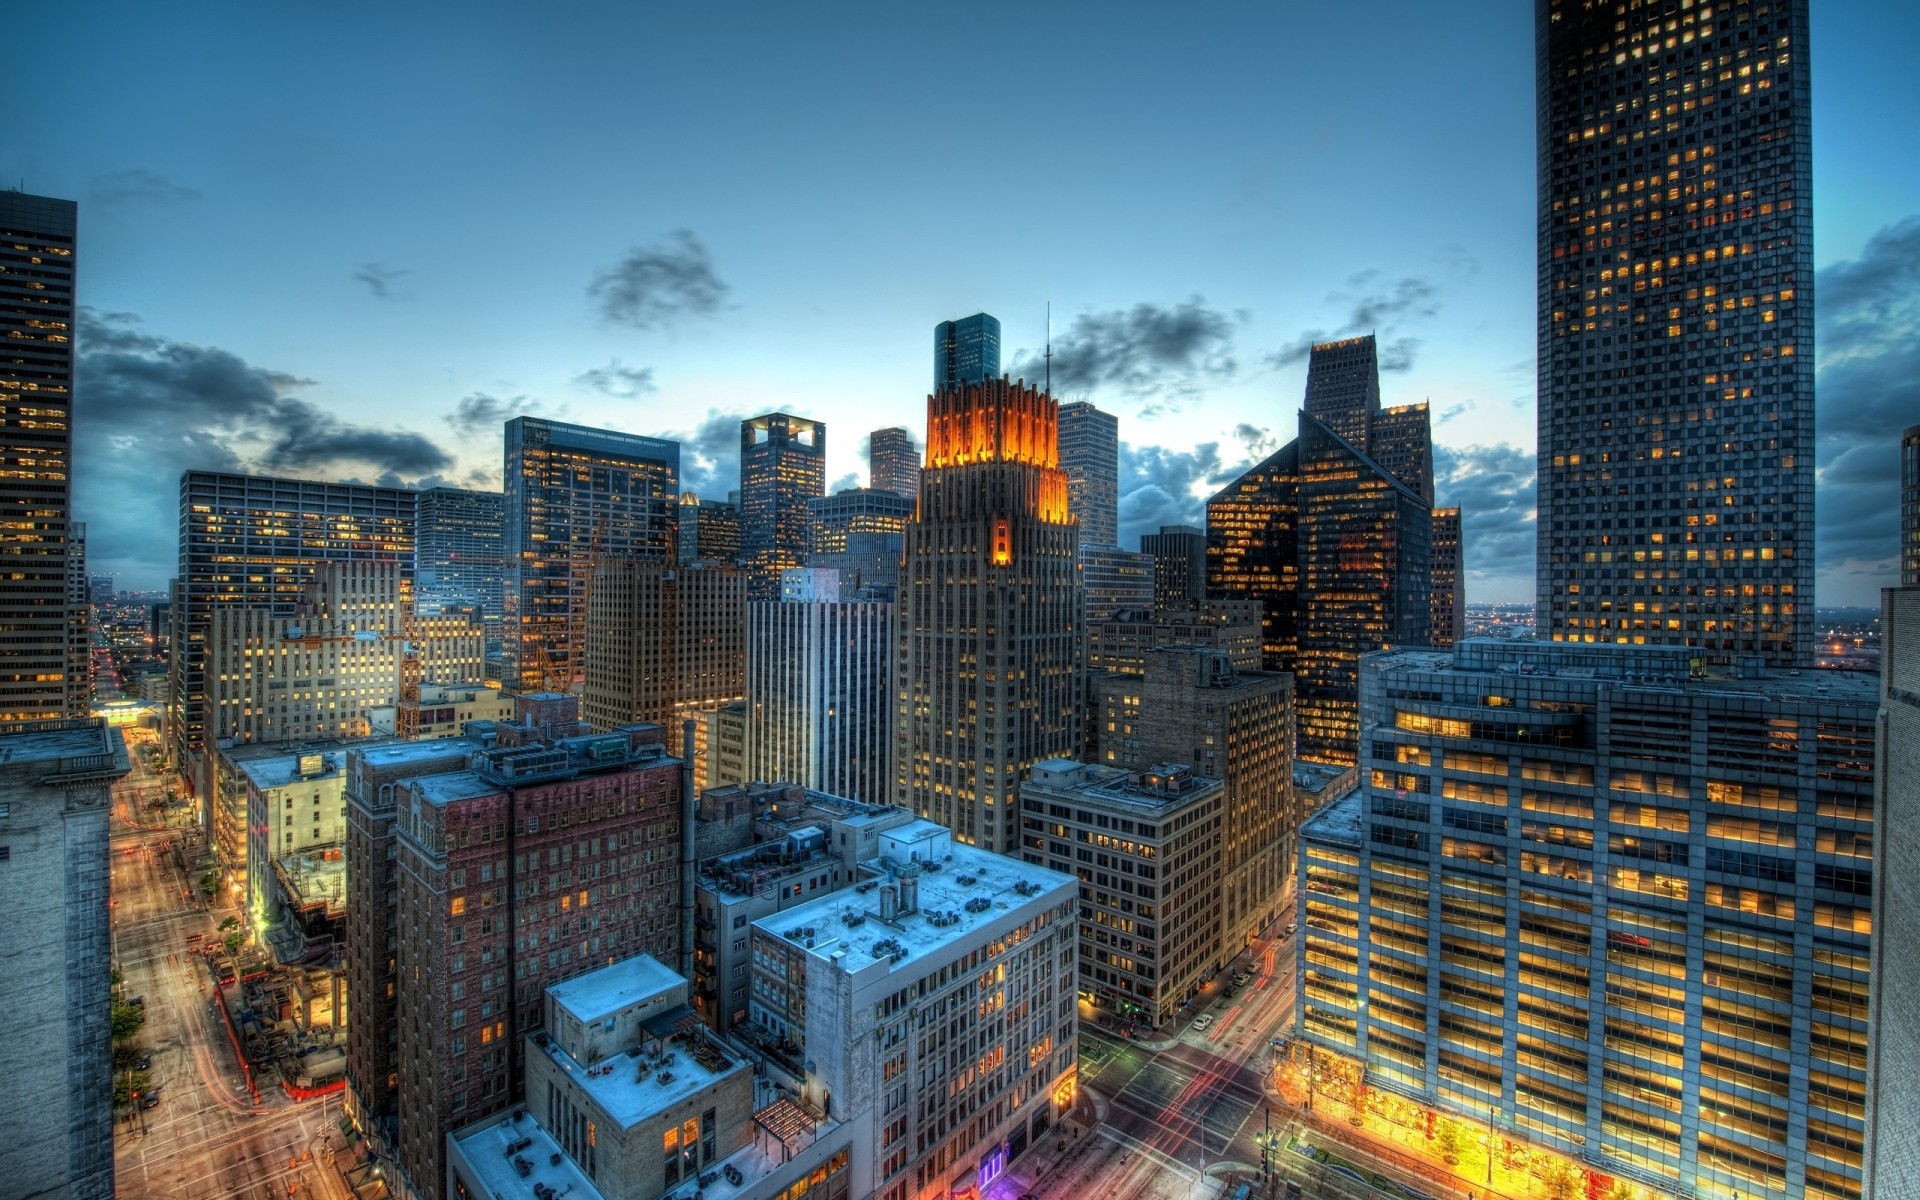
column 1290, row 928
column 145, row 1062
column 1201, row 1022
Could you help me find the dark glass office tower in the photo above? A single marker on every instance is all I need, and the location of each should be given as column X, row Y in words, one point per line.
column 1343, row 386
column 1179, row 554
column 965, row 351
column 1676, row 327
column 1253, row 550
column 36, row 441
column 783, row 464
column 1364, row 583
column 574, row 495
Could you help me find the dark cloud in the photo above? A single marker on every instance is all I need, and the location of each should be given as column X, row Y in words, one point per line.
column 1138, row 351
column 1159, row 486
column 149, row 408
column 710, row 455
column 620, row 382
column 1868, row 391
column 1451, row 411
column 1494, row 488
column 654, row 286
column 1409, row 297
column 845, row 483
column 1378, row 310
column 1397, row 355
column 481, row 413
column 136, row 185
column 382, row 280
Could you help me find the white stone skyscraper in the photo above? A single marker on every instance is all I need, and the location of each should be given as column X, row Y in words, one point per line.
column 1090, row 455
column 989, row 643
column 819, row 667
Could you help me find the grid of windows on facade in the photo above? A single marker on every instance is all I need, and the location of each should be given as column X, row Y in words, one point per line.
column 574, row 495
column 1910, row 507
column 1253, row 550
column 42, row 663
column 1649, row 953
column 1676, row 331
column 783, row 465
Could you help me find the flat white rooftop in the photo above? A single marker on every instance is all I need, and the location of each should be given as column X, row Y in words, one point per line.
column 284, row 769
column 959, row 893
column 497, row 1172
column 632, row 1088
column 602, row 993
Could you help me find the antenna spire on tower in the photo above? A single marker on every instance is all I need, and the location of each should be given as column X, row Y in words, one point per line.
column 1048, row 356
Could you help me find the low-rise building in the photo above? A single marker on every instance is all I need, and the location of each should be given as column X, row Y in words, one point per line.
column 805, row 844
column 295, row 803
column 628, row 1095
column 1144, row 846
column 445, row 710
column 867, row 1005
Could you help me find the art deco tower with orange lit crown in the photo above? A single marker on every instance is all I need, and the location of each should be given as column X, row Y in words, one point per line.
column 989, row 652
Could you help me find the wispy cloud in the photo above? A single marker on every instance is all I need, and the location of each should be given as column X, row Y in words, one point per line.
column 653, row 287
column 620, row 382
column 136, row 185
column 382, row 281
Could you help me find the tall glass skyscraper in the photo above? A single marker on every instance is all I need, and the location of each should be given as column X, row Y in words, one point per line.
column 965, row 351
column 36, row 438
column 783, row 465
column 458, row 557
column 575, row 494
column 1676, row 327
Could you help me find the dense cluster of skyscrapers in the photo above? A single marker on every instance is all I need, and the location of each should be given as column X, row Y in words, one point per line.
column 603, row 761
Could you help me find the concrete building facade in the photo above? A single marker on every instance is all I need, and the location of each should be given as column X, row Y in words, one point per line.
column 893, row 461
column 1448, row 579
column 1193, row 705
column 1090, row 456
column 866, row 1007
column 818, row 683
column 254, row 542
column 663, row 640
column 56, row 780
column 1142, row 846
column 1619, row 902
column 539, row 858
column 1891, row 1156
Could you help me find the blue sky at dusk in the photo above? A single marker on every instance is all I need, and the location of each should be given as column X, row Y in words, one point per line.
column 348, row 241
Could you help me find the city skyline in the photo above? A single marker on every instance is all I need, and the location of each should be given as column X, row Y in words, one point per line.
column 627, row 323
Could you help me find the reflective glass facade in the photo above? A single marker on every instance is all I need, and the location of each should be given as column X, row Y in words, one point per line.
column 860, row 533
column 965, row 351
column 783, row 465
column 459, row 553
column 574, row 494
column 1253, row 550
column 1676, row 326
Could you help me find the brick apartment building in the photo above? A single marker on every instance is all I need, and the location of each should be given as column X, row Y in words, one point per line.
column 547, row 852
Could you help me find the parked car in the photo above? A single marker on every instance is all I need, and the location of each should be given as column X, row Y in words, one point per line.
column 1291, row 926
column 1201, row 1022
column 145, row 1063
column 150, row 1100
